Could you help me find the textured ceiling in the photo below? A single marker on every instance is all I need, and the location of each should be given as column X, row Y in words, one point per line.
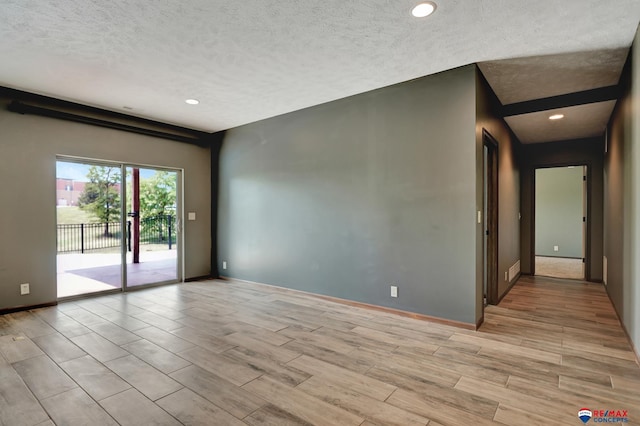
column 524, row 79
column 252, row 59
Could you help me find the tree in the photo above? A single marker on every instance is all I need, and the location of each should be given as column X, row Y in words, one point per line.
column 158, row 200
column 101, row 194
column 157, row 194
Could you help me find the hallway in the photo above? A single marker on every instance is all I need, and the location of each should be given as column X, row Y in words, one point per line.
column 558, row 313
column 572, row 325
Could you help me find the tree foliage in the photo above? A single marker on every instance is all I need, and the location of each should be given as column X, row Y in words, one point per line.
column 101, row 195
column 157, row 202
column 158, row 194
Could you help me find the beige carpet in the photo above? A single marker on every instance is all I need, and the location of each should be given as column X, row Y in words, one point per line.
column 559, row 267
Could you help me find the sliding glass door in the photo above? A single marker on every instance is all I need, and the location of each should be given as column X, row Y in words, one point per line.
column 89, row 227
column 152, row 226
column 118, row 226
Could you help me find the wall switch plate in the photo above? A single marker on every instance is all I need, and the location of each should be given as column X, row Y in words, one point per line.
column 479, row 216
column 191, row 216
column 224, row 264
column 506, row 275
column 556, row 248
column 394, row 291
column 24, row 289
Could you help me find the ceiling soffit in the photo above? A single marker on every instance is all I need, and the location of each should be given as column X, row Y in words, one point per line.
column 581, row 121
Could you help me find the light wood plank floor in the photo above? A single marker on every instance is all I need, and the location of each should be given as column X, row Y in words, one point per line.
column 232, row 353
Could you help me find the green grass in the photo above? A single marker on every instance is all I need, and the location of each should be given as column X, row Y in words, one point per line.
column 68, row 215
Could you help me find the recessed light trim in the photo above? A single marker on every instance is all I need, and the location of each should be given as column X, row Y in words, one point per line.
column 423, row 9
column 556, row 116
column 192, row 101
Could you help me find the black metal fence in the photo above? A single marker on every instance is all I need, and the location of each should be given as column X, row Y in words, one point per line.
column 159, row 229
column 83, row 237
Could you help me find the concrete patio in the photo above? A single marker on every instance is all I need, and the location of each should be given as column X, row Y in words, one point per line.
column 94, row 272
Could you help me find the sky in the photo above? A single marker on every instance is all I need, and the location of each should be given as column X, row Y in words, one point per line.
column 78, row 171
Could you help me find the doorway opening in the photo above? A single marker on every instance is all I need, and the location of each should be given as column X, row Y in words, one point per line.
column 561, row 222
column 490, row 218
column 117, row 226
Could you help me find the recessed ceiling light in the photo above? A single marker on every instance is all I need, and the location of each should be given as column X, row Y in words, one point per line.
column 556, row 116
column 424, row 9
column 192, row 101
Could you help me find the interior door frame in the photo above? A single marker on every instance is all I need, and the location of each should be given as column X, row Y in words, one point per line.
column 491, row 232
column 586, row 238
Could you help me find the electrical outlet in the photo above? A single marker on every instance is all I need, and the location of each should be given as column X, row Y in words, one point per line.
column 556, row 248
column 394, row 291
column 24, row 289
column 224, row 264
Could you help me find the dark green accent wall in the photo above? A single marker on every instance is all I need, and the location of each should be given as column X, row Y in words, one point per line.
column 350, row 197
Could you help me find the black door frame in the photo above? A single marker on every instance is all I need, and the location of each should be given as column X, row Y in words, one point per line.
column 587, row 234
column 491, row 231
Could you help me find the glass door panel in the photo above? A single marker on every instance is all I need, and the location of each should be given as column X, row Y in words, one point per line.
column 89, row 227
column 152, row 226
